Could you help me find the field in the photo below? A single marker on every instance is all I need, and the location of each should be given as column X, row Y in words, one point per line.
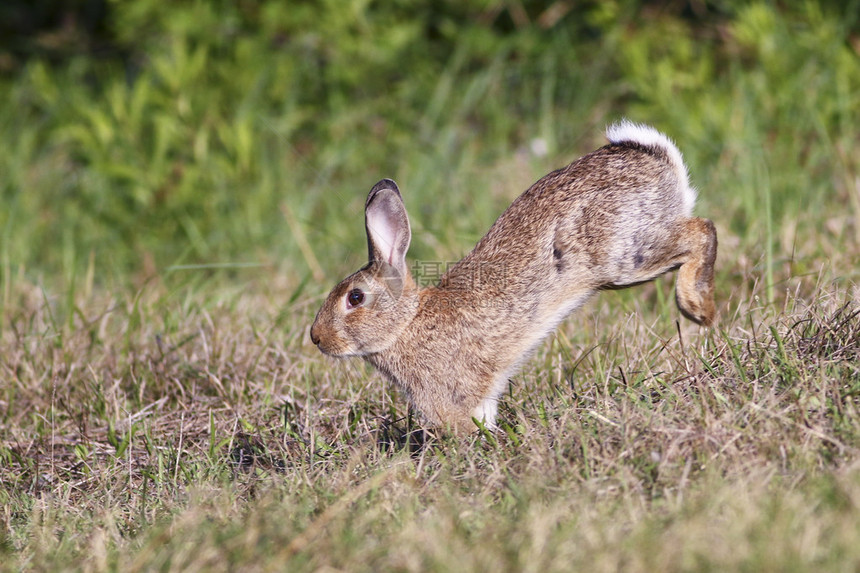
column 173, row 214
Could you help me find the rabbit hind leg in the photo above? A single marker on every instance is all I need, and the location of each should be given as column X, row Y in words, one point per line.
column 694, row 290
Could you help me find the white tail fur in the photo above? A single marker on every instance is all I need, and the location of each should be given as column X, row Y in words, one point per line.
column 647, row 136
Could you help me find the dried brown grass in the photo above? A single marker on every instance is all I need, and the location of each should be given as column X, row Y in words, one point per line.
column 199, row 428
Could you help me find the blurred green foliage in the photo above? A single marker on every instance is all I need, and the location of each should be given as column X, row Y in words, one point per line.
column 179, row 132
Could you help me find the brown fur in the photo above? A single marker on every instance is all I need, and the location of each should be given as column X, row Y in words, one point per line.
column 612, row 219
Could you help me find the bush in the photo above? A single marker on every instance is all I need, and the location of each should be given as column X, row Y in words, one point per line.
column 182, row 141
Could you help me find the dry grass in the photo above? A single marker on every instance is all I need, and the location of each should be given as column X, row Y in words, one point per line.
column 155, row 415
column 197, row 428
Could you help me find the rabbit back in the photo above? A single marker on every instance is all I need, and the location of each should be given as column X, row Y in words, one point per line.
column 609, row 219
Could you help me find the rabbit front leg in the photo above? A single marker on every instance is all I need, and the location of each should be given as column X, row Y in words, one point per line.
column 486, row 412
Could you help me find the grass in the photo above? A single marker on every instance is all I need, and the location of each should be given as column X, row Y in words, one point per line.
column 211, row 437
column 162, row 407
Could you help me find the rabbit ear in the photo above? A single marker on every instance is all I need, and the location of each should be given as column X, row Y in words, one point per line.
column 387, row 224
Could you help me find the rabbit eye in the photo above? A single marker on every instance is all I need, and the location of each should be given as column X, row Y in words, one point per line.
column 354, row 298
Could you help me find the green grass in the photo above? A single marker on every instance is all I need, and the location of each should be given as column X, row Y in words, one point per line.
column 167, row 239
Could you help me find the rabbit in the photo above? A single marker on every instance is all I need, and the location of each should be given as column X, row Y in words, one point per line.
column 617, row 217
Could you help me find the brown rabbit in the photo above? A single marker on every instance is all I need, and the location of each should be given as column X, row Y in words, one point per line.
column 614, row 218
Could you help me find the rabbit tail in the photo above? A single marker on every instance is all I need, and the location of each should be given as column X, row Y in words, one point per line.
column 637, row 134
